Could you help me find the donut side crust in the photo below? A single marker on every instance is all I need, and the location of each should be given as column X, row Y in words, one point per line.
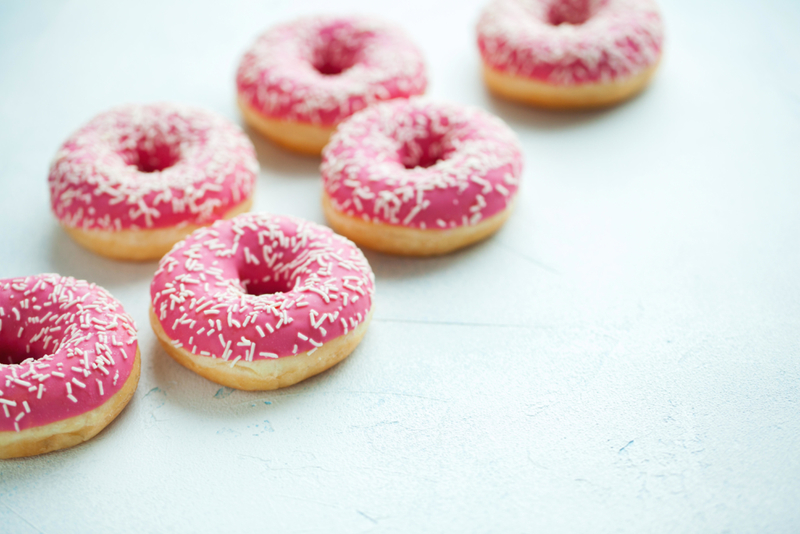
column 140, row 245
column 585, row 96
column 72, row 431
column 300, row 137
column 267, row 374
column 404, row 241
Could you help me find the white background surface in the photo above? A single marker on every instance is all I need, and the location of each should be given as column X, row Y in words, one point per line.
column 623, row 356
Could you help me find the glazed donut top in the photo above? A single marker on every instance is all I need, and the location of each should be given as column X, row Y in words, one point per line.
column 567, row 42
column 320, row 70
column 422, row 164
column 261, row 286
column 151, row 166
column 66, row 346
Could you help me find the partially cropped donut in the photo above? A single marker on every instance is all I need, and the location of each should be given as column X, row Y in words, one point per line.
column 69, row 363
column 261, row 301
column 300, row 79
column 569, row 53
column 137, row 179
column 415, row 177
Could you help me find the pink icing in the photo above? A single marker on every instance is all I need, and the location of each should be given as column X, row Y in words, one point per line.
column 568, row 42
column 151, row 166
column 422, row 164
column 261, row 286
column 66, row 346
column 321, row 70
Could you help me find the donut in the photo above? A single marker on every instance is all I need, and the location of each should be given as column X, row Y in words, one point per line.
column 414, row 177
column 569, row 53
column 139, row 178
column 69, row 363
column 261, row 301
column 300, row 79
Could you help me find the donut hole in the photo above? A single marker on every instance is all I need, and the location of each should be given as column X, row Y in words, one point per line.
column 423, row 151
column 259, row 284
column 573, row 12
column 154, row 157
column 150, row 154
column 156, row 160
column 13, row 351
column 335, row 50
column 329, row 66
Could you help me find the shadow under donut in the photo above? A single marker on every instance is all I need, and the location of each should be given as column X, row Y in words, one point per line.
column 521, row 115
column 281, row 161
column 70, row 259
column 388, row 266
column 176, row 384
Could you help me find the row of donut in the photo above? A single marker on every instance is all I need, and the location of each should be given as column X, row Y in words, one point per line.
column 258, row 301
column 299, row 80
column 404, row 176
column 407, row 176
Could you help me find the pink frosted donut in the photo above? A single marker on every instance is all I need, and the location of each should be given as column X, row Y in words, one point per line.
column 261, row 301
column 69, row 363
column 569, row 53
column 138, row 178
column 300, row 79
column 418, row 177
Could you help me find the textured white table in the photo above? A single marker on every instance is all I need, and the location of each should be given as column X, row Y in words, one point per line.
column 623, row 356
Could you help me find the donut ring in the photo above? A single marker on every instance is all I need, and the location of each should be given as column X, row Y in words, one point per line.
column 414, row 177
column 261, row 301
column 300, row 79
column 569, row 53
column 137, row 179
column 69, row 363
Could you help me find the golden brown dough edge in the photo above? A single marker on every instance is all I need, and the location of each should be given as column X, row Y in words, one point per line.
column 299, row 137
column 263, row 375
column 552, row 96
column 140, row 245
column 410, row 241
column 72, row 431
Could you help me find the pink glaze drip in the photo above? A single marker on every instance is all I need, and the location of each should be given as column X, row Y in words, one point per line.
column 66, row 346
column 309, row 286
column 422, row 164
column 151, row 166
column 570, row 42
column 321, row 70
